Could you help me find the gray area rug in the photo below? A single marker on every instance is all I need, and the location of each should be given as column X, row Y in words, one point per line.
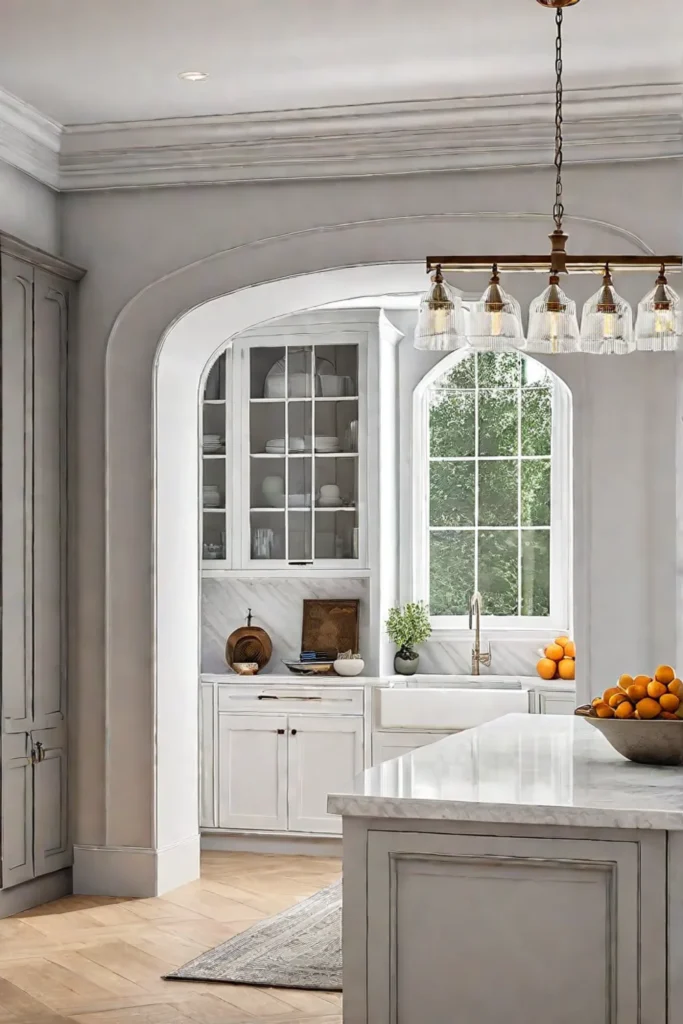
column 299, row 948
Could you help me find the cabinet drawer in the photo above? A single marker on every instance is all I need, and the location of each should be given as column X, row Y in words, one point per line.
column 301, row 700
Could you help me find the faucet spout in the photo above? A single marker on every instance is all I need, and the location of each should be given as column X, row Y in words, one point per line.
column 479, row 658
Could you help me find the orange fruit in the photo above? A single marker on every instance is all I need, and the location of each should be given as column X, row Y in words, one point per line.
column 655, row 689
column 554, row 651
column 610, row 692
column 570, row 649
column 625, row 681
column 566, row 668
column 617, row 699
column 676, row 686
column 665, row 674
column 605, row 711
column 643, row 680
column 546, row 668
column 625, row 710
column 636, row 692
column 669, row 715
column 562, row 641
column 596, row 701
column 669, row 702
column 648, row 708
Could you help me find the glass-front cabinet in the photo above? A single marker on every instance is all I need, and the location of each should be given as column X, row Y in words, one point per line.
column 284, row 478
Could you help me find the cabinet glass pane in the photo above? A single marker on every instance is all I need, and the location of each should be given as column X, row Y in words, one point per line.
column 268, row 535
column 336, row 533
column 267, row 483
column 267, row 428
column 213, row 536
column 336, row 426
column 214, row 389
column 300, row 482
column 300, row 419
column 336, row 481
column 300, row 536
column 336, row 370
column 213, row 427
column 263, row 384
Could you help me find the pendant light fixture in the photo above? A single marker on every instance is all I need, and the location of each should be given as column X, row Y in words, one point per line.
column 495, row 322
column 659, row 326
column 441, row 319
column 607, row 322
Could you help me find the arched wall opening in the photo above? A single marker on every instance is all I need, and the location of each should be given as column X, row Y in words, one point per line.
column 157, row 354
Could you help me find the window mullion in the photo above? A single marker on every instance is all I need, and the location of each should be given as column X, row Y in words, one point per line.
column 476, row 472
column 519, row 490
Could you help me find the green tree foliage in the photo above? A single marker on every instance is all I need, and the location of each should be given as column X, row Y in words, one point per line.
column 490, row 434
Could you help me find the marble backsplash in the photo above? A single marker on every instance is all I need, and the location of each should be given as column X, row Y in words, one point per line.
column 277, row 606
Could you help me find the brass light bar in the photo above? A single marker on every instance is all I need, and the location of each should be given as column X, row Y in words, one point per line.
column 541, row 264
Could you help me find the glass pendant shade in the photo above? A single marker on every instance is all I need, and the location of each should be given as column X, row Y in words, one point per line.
column 553, row 325
column 495, row 322
column 441, row 319
column 607, row 323
column 659, row 324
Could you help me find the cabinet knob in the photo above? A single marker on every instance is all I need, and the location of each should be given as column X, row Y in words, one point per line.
column 293, row 732
column 281, row 732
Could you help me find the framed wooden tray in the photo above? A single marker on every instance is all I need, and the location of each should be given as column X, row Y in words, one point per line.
column 330, row 627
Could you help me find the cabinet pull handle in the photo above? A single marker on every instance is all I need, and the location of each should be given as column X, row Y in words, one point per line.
column 281, row 732
column 293, row 732
column 40, row 752
column 267, row 696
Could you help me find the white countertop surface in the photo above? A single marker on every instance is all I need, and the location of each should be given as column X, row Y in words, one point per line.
column 523, row 769
column 422, row 680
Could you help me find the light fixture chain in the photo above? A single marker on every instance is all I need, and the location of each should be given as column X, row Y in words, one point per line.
column 558, row 208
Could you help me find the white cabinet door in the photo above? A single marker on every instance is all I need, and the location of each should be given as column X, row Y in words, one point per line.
column 207, row 755
column 552, row 703
column 252, row 772
column 325, row 755
column 387, row 745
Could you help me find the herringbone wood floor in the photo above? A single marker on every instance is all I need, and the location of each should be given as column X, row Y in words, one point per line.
column 93, row 960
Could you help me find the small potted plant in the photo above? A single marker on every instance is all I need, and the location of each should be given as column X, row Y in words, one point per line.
column 407, row 627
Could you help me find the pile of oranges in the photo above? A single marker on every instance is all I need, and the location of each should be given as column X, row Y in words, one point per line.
column 643, row 697
column 559, row 660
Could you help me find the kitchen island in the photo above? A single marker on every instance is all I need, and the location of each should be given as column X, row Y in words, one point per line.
column 522, row 871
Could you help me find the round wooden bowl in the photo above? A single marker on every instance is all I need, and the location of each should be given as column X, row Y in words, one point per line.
column 659, row 741
column 249, row 644
column 245, row 668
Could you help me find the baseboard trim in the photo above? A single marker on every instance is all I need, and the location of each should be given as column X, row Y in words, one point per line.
column 301, row 846
column 134, row 872
column 35, row 892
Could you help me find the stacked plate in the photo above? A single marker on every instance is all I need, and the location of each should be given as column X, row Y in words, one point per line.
column 211, row 496
column 324, row 445
column 276, row 446
column 213, row 443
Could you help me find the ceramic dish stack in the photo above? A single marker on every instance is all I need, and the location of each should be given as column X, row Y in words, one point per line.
column 324, row 445
column 276, row 446
column 213, row 444
column 211, row 496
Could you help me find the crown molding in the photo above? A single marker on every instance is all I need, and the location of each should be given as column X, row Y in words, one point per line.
column 608, row 124
column 29, row 140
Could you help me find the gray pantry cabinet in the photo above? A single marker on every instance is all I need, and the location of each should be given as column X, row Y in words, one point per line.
column 36, row 302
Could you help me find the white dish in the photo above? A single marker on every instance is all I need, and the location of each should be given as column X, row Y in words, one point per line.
column 349, row 666
column 299, row 500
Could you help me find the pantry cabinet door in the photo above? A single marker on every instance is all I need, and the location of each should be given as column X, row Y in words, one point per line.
column 52, row 848
column 325, row 755
column 252, row 772
column 17, row 809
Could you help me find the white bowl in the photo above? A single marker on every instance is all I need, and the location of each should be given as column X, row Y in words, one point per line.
column 349, row 666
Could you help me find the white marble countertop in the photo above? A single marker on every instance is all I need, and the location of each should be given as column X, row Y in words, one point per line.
column 523, row 769
column 482, row 682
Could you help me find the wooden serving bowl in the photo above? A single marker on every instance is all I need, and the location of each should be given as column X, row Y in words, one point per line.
column 658, row 741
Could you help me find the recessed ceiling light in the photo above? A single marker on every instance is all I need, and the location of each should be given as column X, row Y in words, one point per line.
column 193, row 76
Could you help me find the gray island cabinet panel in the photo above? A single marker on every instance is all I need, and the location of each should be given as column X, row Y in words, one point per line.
column 550, row 925
column 36, row 301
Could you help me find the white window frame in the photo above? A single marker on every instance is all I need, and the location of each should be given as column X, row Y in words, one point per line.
column 561, row 518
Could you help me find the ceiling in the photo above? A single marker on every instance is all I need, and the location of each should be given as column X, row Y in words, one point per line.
column 89, row 61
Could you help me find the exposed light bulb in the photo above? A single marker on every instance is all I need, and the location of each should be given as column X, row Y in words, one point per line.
column 554, row 331
column 609, row 326
column 439, row 320
column 496, row 324
column 664, row 321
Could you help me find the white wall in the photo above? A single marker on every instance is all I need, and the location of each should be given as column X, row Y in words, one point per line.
column 129, row 240
column 29, row 210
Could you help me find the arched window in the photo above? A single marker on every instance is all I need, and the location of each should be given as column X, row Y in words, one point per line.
column 492, row 492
